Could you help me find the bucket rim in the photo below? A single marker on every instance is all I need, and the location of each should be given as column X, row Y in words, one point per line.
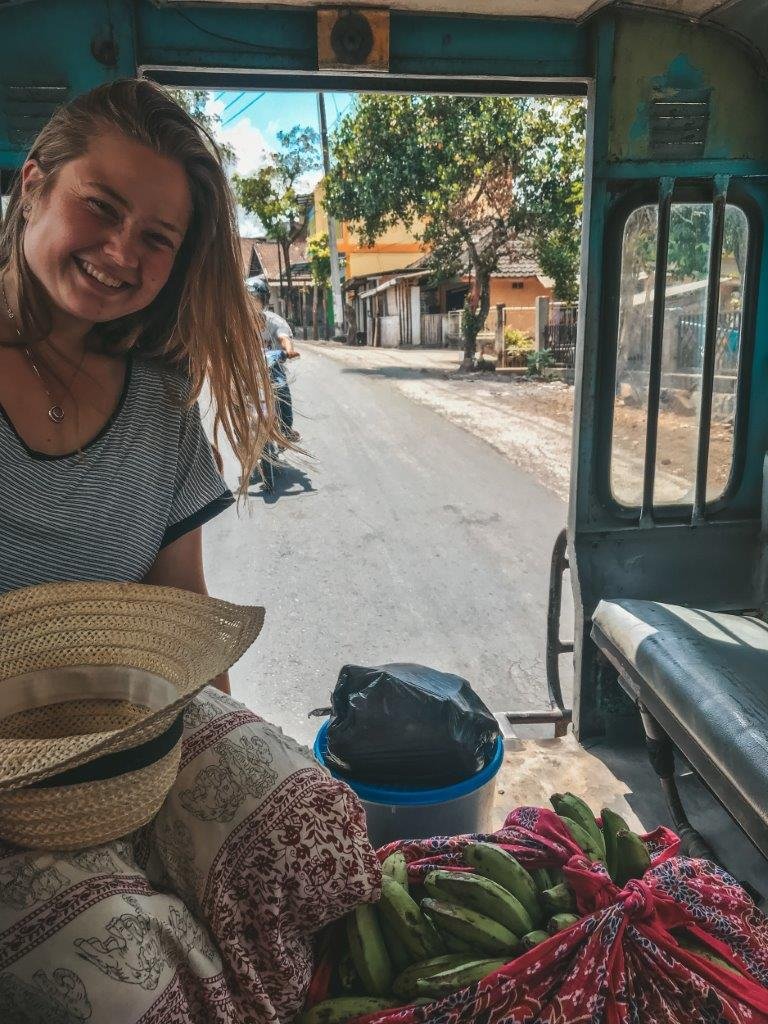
column 401, row 797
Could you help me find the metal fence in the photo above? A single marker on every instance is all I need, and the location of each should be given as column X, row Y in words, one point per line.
column 560, row 334
column 690, row 342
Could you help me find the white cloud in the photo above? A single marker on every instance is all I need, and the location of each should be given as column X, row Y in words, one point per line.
column 252, row 152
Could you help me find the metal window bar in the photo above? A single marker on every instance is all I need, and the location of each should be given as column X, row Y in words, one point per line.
column 710, row 341
column 666, row 188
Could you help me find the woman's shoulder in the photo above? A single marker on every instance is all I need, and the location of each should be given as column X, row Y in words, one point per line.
column 167, row 387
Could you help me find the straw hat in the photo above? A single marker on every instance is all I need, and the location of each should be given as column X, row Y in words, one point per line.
column 93, row 681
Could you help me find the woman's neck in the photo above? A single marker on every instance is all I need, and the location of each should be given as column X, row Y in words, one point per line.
column 67, row 336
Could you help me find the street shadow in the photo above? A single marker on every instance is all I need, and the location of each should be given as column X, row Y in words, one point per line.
column 290, row 482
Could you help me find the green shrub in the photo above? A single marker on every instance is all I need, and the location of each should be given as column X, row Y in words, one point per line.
column 538, row 362
column 518, row 345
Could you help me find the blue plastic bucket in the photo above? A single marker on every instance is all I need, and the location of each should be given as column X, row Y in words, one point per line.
column 395, row 812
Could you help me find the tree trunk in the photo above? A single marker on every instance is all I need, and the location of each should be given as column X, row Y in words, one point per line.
column 477, row 307
column 315, row 322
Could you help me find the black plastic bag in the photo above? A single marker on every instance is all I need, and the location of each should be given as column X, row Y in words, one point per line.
column 408, row 725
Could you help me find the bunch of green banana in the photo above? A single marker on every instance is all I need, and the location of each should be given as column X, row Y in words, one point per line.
column 632, row 857
column 572, row 810
column 501, row 867
column 455, row 978
column 559, row 899
column 613, row 823
column 343, row 1008
column 396, row 866
column 405, row 984
column 484, row 934
column 404, row 918
column 481, row 894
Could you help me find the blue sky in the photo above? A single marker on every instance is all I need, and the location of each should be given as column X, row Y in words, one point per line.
column 250, row 121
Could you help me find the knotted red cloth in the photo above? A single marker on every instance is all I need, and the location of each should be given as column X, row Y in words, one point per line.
column 622, row 963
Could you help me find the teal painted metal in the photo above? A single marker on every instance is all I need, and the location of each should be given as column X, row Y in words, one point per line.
column 651, row 170
column 487, row 46
column 49, row 43
column 585, row 707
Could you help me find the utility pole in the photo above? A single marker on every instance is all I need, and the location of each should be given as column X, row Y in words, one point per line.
column 338, row 307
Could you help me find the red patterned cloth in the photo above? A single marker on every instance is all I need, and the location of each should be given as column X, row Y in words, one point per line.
column 622, row 963
column 207, row 915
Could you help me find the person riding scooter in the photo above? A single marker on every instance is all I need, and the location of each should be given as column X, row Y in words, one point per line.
column 277, row 336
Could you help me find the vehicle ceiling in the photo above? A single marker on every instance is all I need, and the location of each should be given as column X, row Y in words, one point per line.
column 745, row 18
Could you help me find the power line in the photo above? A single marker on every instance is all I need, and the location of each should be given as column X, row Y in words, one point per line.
column 242, row 109
column 235, row 100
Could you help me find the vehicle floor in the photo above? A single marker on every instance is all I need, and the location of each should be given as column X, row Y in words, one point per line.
column 617, row 774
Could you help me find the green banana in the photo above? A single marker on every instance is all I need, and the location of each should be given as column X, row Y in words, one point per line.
column 404, row 984
column 559, row 922
column 348, row 978
column 481, row 894
column 533, row 939
column 398, row 952
column 542, row 879
column 368, row 949
column 559, row 900
column 583, row 839
column 613, row 823
column 458, row 977
column 501, row 867
column 343, row 1008
column 573, row 807
column 419, row 937
column 632, row 857
column 454, row 944
column 486, row 935
column 708, row 954
column 557, row 875
column 396, row 866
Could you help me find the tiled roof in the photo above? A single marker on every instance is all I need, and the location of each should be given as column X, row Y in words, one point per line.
column 266, row 253
column 515, row 261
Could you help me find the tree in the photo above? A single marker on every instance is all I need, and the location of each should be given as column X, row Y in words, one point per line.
column 319, row 253
column 272, row 193
column 476, row 172
column 195, row 101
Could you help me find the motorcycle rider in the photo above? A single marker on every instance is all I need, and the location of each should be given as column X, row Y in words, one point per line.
column 277, row 335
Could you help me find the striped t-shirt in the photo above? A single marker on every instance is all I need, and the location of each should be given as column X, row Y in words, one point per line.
column 104, row 513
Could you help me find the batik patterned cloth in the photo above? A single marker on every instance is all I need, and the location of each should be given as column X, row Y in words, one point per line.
column 206, row 915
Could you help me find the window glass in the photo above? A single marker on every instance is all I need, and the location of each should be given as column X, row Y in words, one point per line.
column 727, row 350
column 685, row 312
column 633, row 355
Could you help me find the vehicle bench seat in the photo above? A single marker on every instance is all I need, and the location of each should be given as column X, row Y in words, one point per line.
column 704, row 677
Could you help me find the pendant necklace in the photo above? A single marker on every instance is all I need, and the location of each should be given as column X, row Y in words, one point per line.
column 55, row 411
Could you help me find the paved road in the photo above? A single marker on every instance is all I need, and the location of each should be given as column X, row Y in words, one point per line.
column 405, row 539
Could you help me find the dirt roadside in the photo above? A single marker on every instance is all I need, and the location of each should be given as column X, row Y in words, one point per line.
column 530, row 421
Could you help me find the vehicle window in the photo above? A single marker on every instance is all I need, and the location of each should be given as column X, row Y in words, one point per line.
column 685, row 319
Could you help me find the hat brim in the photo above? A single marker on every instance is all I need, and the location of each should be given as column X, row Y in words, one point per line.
column 184, row 638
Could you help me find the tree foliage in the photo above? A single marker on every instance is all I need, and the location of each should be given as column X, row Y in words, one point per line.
column 319, row 254
column 273, row 193
column 467, row 175
column 195, row 101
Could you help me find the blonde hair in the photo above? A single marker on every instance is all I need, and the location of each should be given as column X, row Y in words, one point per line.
column 203, row 321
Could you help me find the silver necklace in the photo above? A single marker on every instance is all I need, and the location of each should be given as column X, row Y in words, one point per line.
column 55, row 411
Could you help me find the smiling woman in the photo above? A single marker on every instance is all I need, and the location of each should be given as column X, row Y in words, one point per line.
column 121, row 292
